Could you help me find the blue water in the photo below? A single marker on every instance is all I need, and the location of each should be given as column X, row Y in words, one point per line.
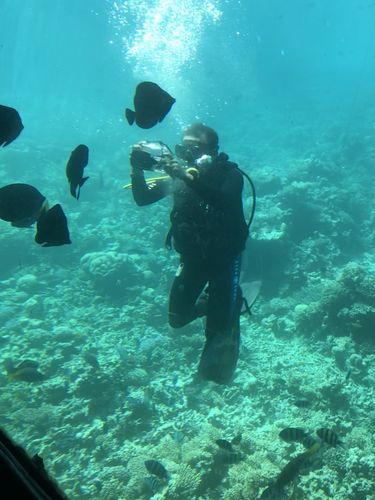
column 71, row 67
column 289, row 88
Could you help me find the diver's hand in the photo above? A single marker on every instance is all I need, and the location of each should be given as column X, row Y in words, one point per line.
column 172, row 167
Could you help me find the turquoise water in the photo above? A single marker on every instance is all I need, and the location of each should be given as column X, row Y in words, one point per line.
column 289, row 88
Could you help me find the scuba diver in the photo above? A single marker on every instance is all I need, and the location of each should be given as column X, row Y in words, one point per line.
column 208, row 230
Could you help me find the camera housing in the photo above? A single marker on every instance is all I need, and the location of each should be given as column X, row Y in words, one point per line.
column 147, row 154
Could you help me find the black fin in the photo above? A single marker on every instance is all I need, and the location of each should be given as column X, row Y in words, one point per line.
column 73, row 191
column 84, row 179
column 130, row 116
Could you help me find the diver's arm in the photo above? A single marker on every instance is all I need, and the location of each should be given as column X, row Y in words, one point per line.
column 225, row 196
column 146, row 193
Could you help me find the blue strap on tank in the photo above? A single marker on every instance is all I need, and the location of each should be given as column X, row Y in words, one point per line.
column 235, row 282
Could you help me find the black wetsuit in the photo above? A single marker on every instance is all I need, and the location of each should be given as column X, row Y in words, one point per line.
column 209, row 232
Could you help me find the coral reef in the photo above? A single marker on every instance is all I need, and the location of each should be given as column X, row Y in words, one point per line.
column 307, row 354
column 112, row 272
column 184, row 484
column 345, row 306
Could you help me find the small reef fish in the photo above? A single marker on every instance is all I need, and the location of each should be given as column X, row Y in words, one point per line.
column 224, row 445
column 151, row 485
column 302, row 403
column 151, row 104
column 288, row 474
column 26, row 363
column 233, row 457
column 21, row 204
column 329, row 437
column 10, row 125
column 78, row 160
column 26, row 371
column 292, row 434
column 52, row 228
column 178, row 437
column 228, row 455
column 293, row 468
column 308, row 441
column 156, row 468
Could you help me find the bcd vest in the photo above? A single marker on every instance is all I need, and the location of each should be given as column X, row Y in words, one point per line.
column 200, row 230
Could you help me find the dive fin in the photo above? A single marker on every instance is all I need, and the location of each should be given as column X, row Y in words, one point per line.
column 250, row 292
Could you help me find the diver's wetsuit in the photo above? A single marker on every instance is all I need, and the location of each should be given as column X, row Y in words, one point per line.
column 209, row 232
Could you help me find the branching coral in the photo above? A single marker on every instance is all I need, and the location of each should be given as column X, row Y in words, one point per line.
column 184, row 484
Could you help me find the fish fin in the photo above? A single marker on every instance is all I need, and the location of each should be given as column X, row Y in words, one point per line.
column 73, row 192
column 130, row 116
column 84, row 179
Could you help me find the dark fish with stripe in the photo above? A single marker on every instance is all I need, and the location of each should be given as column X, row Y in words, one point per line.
column 77, row 162
column 151, row 484
column 26, row 363
column 292, row 434
column 151, row 104
column 52, row 228
column 230, row 458
column 26, row 375
column 26, row 371
column 224, row 445
column 329, row 437
column 21, row 204
column 293, row 468
column 156, row 468
column 10, row 125
column 308, row 441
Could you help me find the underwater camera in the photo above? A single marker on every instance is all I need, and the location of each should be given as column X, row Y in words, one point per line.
column 147, row 154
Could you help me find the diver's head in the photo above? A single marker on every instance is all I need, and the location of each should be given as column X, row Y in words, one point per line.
column 198, row 140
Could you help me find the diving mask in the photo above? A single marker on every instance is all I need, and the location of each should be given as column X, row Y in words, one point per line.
column 193, row 150
column 193, row 153
column 189, row 152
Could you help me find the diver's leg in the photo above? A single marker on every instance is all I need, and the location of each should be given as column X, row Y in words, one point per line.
column 188, row 284
column 220, row 354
